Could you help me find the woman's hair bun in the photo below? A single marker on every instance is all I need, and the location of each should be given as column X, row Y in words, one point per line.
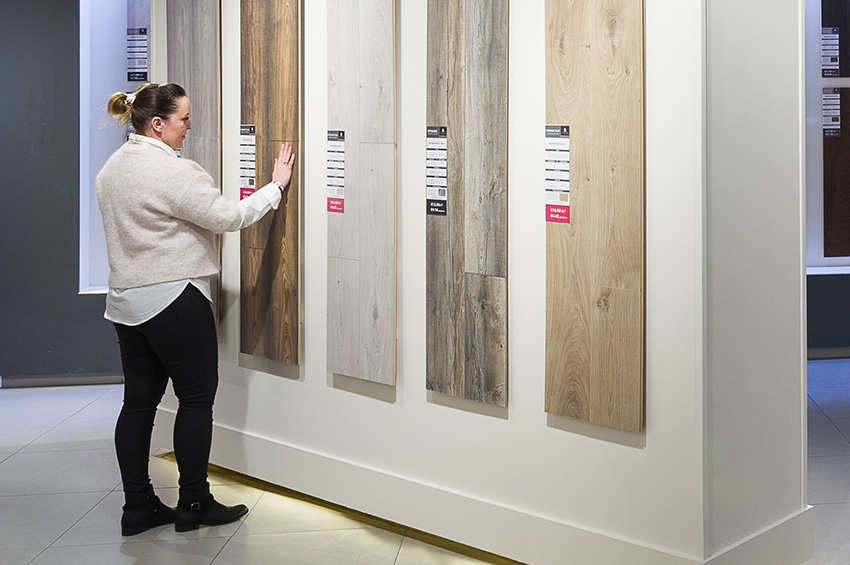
column 120, row 106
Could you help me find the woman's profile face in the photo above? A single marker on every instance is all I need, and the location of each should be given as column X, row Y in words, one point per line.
column 174, row 128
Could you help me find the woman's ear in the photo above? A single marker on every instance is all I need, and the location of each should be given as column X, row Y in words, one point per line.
column 156, row 124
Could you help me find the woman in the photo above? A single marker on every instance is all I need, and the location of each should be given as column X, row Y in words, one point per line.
column 160, row 214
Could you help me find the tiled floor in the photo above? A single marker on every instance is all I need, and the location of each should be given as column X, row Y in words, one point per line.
column 60, row 501
column 829, row 459
column 60, row 498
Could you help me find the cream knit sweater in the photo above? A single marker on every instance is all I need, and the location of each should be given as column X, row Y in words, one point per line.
column 160, row 214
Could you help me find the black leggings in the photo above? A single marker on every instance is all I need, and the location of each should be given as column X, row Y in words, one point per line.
column 180, row 343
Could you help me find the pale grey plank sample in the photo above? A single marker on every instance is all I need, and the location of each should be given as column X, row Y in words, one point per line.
column 377, row 71
column 343, row 312
column 361, row 102
column 377, row 263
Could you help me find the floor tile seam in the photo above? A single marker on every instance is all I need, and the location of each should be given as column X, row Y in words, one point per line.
column 398, row 553
column 77, row 521
column 830, row 503
column 217, row 555
column 827, row 456
column 33, row 560
column 834, row 425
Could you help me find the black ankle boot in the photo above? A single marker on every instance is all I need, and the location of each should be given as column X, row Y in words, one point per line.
column 144, row 511
column 208, row 512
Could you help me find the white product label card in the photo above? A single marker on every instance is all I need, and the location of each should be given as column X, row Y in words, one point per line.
column 137, row 54
column 336, row 171
column 829, row 51
column 247, row 160
column 436, row 170
column 831, row 112
column 557, row 173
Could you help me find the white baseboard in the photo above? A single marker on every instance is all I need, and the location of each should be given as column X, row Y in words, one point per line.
column 484, row 524
column 788, row 542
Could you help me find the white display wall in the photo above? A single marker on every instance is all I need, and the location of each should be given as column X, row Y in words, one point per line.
column 719, row 474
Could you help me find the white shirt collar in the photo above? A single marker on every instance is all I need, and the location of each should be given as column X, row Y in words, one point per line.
column 138, row 138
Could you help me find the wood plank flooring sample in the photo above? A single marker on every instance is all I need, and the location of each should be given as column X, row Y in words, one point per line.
column 193, row 63
column 466, row 243
column 836, row 175
column 362, row 227
column 595, row 261
column 270, row 297
column 835, row 26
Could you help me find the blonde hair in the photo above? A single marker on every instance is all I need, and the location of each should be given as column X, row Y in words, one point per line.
column 145, row 103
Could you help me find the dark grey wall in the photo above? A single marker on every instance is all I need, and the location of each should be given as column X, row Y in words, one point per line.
column 46, row 328
column 828, row 311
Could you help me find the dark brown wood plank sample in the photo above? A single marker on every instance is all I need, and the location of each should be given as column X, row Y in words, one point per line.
column 466, row 249
column 836, row 184
column 270, row 298
column 836, row 14
column 595, row 262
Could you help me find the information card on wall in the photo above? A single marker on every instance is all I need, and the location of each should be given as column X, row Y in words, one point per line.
column 557, row 173
column 137, row 54
column 336, row 171
column 829, row 51
column 436, row 170
column 831, row 105
column 247, row 160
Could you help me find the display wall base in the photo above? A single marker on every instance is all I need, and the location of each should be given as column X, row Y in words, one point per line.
column 472, row 521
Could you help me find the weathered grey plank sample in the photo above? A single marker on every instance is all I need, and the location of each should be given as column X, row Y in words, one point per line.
column 466, row 249
column 193, row 44
column 194, row 63
column 272, row 70
column 361, row 239
column 595, row 263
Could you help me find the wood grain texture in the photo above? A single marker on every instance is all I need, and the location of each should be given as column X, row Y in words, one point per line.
column 193, row 43
column 270, row 296
column 836, row 186
column 343, row 313
column 377, row 298
column 344, row 114
column 361, row 241
column 376, row 71
column 486, row 118
column 485, row 377
column 595, row 263
column 466, row 250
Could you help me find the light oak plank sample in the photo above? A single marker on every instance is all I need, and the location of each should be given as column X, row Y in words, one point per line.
column 595, row 263
column 466, row 249
column 270, row 298
column 361, row 240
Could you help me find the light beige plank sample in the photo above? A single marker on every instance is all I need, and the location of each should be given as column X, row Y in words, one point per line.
column 595, row 263
column 361, row 239
column 466, row 249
